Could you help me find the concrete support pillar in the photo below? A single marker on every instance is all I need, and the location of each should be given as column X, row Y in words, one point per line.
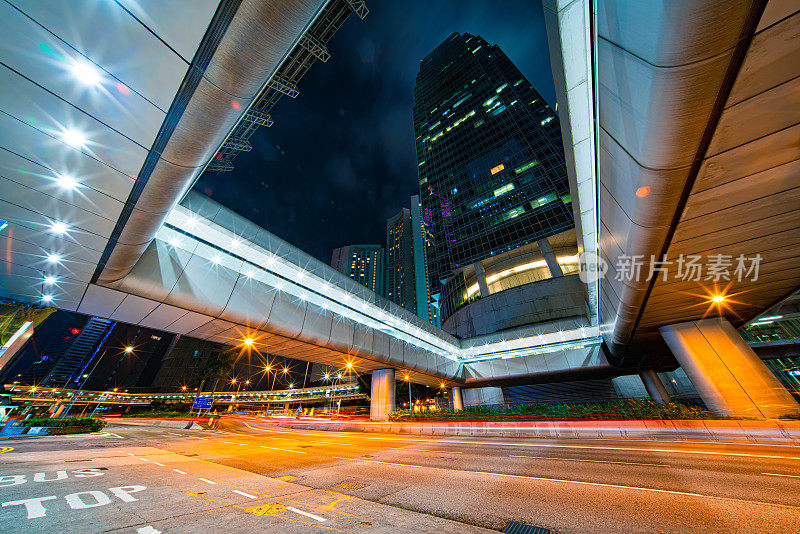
column 481, row 276
column 382, row 395
column 730, row 378
column 655, row 388
column 483, row 396
column 14, row 343
column 550, row 258
column 456, row 400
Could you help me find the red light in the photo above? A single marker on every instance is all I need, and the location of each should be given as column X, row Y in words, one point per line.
column 236, row 105
column 124, row 89
column 642, row 192
column 75, row 330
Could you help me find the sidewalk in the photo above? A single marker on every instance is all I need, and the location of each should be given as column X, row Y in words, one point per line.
column 771, row 431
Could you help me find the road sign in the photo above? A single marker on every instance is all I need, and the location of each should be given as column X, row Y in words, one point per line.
column 202, row 403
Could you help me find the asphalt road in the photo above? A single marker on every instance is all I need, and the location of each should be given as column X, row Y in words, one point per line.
column 269, row 477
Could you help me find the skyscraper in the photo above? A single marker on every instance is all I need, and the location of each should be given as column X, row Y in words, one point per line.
column 407, row 241
column 400, row 287
column 492, row 174
column 362, row 263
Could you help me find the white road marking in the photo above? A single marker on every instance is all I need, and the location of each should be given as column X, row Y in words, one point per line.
column 232, row 443
column 208, row 481
column 245, row 494
column 179, row 471
column 781, row 475
column 332, row 443
column 129, row 453
column 148, row 530
column 115, row 435
column 198, row 437
column 279, row 449
column 174, row 434
column 144, row 459
column 637, row 449
column 544, row 479
column 162, row 465
column 579, row 460
column 426, row 450
column 384, row 463
column 312, row 516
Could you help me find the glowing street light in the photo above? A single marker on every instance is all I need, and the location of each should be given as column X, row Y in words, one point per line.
column 128, row 349
column 718, row 299
column 248, row 341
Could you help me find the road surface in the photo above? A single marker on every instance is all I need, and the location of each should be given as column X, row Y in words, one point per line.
column 254, row 476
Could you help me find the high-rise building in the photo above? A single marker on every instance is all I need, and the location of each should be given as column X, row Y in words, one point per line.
column 492, row 174
column 399, row 282
column 362, row 263
column 407, row 240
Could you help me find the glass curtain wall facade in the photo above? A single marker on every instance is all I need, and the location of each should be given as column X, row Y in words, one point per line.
column 491, row 165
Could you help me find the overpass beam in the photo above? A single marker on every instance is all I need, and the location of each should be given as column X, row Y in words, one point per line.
column 655, row 388
column 382, row 395
column 457, row 401
column 731, row 379
column 483, row 396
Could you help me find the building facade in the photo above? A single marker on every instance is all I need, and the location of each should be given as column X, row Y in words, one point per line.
column 362, row 263
column 492, row 173
column 399, row 282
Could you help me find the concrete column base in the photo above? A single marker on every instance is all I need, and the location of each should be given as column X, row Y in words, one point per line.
column 456, row 400
column 655, row 388
column 382, row 395
column 730, row 378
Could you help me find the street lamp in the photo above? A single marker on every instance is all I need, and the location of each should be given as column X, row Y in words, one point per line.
column 406, row 378
column 128, row 349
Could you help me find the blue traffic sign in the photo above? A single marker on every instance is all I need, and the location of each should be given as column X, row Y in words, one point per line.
column 202, row 403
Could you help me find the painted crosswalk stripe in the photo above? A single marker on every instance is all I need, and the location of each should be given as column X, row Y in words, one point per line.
column 245, row 494
column 312, row 516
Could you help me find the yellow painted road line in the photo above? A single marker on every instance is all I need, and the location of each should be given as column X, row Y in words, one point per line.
column 6, row 449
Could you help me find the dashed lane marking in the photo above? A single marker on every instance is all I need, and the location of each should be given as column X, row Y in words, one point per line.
column 162, row 465
column 243, row 494
column 179, row 471
column 301, row 512
column 581, row 460
column 144, row 459
column 208, row 481
column 174, row 433
column 232, row 443
column 332, row 443
column 279, row 449
column 781, row 475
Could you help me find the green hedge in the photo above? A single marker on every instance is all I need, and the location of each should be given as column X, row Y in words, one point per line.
column 624, row 409
column 93, row 425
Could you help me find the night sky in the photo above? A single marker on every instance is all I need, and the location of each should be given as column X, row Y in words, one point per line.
column 340, row 159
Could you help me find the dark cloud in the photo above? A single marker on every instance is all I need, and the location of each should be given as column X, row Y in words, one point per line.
column 340, row 159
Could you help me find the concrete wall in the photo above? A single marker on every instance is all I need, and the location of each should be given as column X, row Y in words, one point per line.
column 546, row 300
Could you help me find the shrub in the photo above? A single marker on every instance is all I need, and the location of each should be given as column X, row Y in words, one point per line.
column 92, row 424
column 623, row 409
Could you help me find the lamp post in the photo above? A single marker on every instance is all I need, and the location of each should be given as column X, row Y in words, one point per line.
column 406, row 378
